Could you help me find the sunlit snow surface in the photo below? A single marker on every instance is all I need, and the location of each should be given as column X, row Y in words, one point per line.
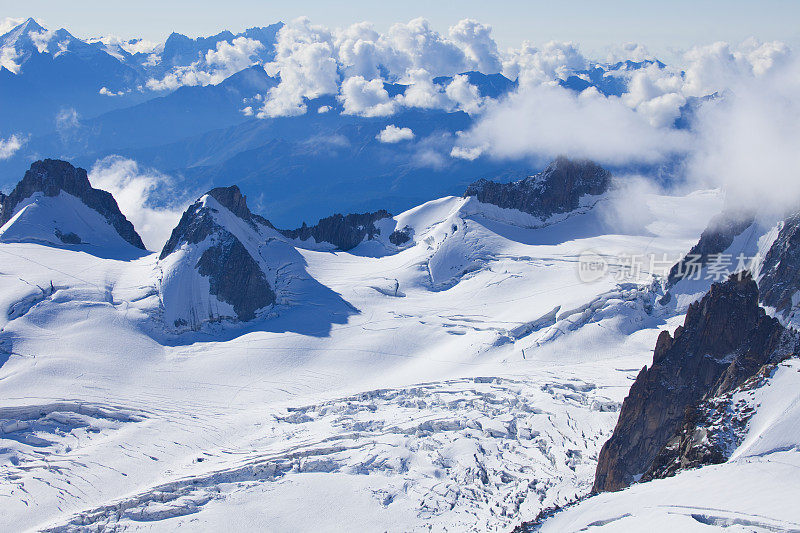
column 468, row 382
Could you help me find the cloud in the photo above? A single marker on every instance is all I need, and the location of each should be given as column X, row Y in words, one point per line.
column 10, row 145
column 629, row 52
column 67, row 119
column 136, row 190
column 41, row 39
column 475, row 39
column 366, row 98
column 359, row 51
column 469, row 154
column 545, row 121
column 655, row 93
column 464, row 95
column 393, row 134
column 9, row 23
column 113, row 45
column 415, row 45
column 746, row 143
column 225, row 60
column 312, row 61
column 422, row 92
column 231, row 57
column 533, row 66
column 715, row 67
column 304, row 60
column 8, row 59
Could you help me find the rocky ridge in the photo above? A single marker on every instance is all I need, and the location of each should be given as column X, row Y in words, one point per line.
column 726, row 339
column 345, row 232
column 715, row 239
column 235, row 277
column 50, row 177
column 780, row 272
column 557, row 189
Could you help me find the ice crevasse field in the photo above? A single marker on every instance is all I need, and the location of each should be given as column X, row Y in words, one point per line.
column 465, row 382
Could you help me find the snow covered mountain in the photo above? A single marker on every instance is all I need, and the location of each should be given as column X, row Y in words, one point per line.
column 430, row 328
column 192, row 108
column 55, row 204
column 442, row 381
column 448, row 367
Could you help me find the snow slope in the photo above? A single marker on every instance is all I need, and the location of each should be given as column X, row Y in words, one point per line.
column 754, row 491
column 65, row 221
column 462, row 383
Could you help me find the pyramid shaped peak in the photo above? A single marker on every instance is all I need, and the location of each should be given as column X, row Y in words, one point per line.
column 232, row 199
column 51, row 177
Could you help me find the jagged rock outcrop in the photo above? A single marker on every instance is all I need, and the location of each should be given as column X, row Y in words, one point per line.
column 212, row 250
column 726, row 339
column 780, row 271
column 715, row 239
column 557, row 189
column 343, row 231
column 401, row 236
column 710, row 431
column 50, row 177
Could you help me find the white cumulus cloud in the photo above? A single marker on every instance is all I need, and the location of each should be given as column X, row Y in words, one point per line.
column 479, row 47
column 365, row 98
column 393, row 134
column 304, row 60
column 534, row 66
column 133, row 189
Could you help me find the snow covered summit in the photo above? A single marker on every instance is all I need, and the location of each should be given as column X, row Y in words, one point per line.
column 55, row 204
column 212, row 265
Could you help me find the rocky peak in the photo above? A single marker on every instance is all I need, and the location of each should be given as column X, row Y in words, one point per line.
column 715, row 239
column 343, row 231
column 232, row 199
column 557, row 189
column 780, row 272
column 197, row 221
column 50, row 177
column 725, row 339
column 218, row 253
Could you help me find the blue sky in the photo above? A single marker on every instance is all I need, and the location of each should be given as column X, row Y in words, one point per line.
column 594, row 24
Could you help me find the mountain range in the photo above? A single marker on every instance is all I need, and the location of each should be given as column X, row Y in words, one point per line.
column 204, row 133
column 363, row 353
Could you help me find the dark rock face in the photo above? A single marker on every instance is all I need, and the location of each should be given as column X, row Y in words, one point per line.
column 710, row 431
column 400, row 237
column 726, row 338
column 715, row 239
column 343, row 231
column 234, row 276
column 68, row 238
column 50, row 177
column 780, row 273
column 557, row 189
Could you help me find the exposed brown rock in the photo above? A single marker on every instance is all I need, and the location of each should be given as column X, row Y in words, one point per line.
column 726, row 338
